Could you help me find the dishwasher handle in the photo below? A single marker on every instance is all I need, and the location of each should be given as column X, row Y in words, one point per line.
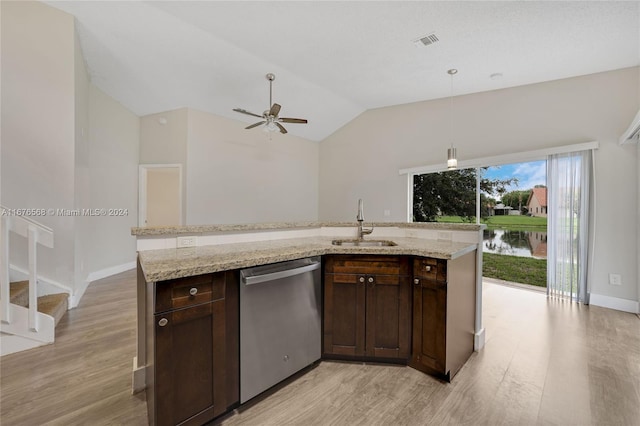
column 248, row 279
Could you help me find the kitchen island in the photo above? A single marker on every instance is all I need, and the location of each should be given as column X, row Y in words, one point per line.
column 424, row 288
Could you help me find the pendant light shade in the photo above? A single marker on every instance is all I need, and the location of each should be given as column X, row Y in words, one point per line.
column 452, row 161
column 452, row 155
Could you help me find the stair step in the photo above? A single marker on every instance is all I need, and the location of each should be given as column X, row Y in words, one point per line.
column 19, row 293
column 55, row 305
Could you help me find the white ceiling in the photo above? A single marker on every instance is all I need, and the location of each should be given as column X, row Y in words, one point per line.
column 335, row 59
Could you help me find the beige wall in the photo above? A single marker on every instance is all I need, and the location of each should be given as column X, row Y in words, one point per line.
column 66, row 145
column 362, row 159
column 114, row 150
column 241, row 176
column 82, row 196
column 38, row 130
column 233, row 175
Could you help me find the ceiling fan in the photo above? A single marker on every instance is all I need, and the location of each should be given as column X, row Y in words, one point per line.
column 270, row 117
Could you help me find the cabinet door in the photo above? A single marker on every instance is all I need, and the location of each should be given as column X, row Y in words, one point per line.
column 190, row 364
column 344, row 314
column 388, row 316
column 429, row 325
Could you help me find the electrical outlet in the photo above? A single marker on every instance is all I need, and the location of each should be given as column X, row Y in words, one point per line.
column 186, row 241
column 615, row 279
column 387, row 213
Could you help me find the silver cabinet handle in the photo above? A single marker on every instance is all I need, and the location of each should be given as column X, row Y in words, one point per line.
column 370, row 279
column 361, row 279
column 193, row 291
column 416, row 281
column 427, row 268
column 163, row 322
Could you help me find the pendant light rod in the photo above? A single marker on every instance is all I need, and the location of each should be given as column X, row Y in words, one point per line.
column 452, row 161
column 270, row 77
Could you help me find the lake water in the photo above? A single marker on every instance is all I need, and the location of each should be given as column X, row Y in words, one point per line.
column 515, row 243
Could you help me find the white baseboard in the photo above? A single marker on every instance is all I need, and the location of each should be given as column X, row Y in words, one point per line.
column 48, row 286
column 138, row 377
column 98, row 275
column 478, row 340
column 618, row 304
column 112, row 270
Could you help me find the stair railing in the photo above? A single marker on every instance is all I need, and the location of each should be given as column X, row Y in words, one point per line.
column 35, row 233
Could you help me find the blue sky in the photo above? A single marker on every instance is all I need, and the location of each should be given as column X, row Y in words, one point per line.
column 529, row 174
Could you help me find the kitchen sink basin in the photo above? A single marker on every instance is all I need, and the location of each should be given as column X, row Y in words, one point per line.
column 363, row 243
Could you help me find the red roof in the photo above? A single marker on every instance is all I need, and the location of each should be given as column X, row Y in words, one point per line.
column 541, row 196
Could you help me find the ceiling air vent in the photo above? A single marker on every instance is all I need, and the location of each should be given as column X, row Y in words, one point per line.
column 426, row 40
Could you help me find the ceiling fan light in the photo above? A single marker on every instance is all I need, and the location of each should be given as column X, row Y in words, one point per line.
column 270, row 127
column 270, row 117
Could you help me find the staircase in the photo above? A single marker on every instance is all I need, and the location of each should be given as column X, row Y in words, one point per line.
column 27, row 321
column 54, row 305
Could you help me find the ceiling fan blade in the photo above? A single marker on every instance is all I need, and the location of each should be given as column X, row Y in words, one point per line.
column 255, row 125
column 275, row 109
column 282, row 129
column 243, row 111
column 293, row 120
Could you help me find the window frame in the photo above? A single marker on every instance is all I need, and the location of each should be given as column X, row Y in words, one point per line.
column 478, row 163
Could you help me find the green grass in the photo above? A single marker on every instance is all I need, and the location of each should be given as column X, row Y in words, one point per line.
column 452, row 219
column 515, row 222
column 517, row 269
column 519, row 222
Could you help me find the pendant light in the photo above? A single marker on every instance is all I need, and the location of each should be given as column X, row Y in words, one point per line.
column 452, row 161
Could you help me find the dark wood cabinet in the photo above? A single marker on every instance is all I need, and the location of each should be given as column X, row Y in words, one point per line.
column 403, row 309
column 429, row 315
column 367, row 307
column 443, row 314
column 192, row 349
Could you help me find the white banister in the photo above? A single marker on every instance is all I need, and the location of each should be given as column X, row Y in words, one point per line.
column 5, row 315
column 33, row 278
column 35, row 233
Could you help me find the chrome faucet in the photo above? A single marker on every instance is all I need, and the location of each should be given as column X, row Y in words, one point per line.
column 360, row 218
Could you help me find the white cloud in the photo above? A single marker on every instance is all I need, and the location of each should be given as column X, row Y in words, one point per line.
column 530, row 174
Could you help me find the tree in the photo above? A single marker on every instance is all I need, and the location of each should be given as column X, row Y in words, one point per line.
column 452, row 193
column 516, row 199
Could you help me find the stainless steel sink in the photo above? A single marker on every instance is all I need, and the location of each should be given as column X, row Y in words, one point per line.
column 363, row 243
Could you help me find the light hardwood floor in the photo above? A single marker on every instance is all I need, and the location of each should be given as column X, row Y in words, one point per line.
column 545, row 363
column 84, row 378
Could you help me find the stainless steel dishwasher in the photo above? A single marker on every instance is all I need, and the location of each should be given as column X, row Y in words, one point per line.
column 280, row 322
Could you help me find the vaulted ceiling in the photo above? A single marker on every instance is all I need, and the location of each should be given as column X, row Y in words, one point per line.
column 335, row 59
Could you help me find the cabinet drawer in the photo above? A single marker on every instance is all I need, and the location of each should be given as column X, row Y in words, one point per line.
column 369, row 265
column 430, row 268
column 191, row 291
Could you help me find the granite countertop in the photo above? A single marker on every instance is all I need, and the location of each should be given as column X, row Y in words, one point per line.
column 200, row 229
column 165, row 264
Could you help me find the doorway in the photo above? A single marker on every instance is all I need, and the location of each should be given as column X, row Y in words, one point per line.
column 515, row 240
column 509, row 199
column 160, row 195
